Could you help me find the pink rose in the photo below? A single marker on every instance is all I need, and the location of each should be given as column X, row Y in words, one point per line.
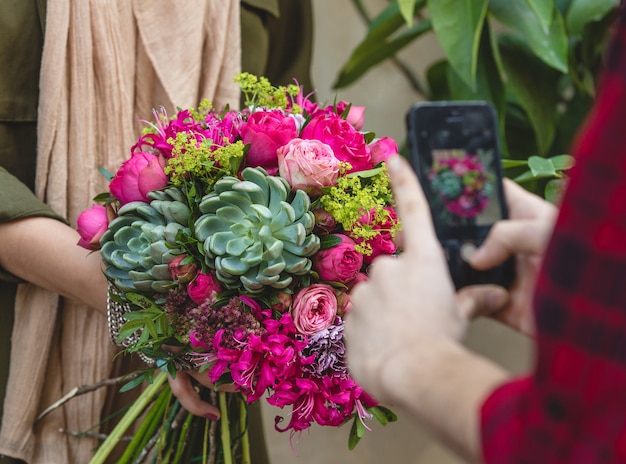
column 92, row 224
column 325, row 223
column 382, row 148
column 204, row 287
column 340, row 263
column 283, row 302
column 308, row 165
column 314, row 308
column 137, row 176
column 347, row 143
column 266, row 131
column 181, row 272
column 382, row 243
column 356, row 114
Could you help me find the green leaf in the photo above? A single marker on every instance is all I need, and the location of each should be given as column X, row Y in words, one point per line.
column 543, row 9
column 582, row 12
column 329, row 241
column 511, row 163
column 407, row 7
column 458, row 25
column 555, row 189
column 353, row 438
column 151, row 327
column 541, row 167
column 374, row 50
column 129, row 328
column 550, row 47
column 133, row 383
column 534, row 85
column 108, row 175
column 562, row 162
column 437, row 78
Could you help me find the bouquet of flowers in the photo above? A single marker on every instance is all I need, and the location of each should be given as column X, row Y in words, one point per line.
column 235, row 237
column 462, row 184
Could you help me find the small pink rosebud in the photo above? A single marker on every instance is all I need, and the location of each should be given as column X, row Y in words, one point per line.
column 325, row 222
column 344, row 304
column 381, row 149
column 284, row 302
column 179, row 272
column 360, row 277
column 204, row 287
column 340, row 263
column 92, row 224
column 356, row 115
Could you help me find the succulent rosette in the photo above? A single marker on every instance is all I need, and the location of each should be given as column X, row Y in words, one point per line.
column 237, row 236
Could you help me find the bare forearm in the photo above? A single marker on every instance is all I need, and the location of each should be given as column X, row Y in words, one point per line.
column 445, row 389
column 43, row 251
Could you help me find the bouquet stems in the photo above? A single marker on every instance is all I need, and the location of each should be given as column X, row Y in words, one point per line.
column 245, row 442
column 225, row 429
column 127, row 420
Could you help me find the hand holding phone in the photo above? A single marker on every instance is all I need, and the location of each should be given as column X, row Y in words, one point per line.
column 454, row 150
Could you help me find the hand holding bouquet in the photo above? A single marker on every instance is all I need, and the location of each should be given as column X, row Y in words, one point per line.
column 236, row 237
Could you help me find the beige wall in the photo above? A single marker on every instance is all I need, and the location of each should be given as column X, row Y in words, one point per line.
column 387, row 97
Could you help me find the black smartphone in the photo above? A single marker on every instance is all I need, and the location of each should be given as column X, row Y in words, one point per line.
column 454, row 149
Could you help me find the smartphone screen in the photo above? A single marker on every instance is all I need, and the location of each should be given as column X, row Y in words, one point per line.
column 455, row 153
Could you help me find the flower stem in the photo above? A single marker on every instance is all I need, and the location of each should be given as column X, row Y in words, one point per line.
column 245, row 442
column 127, row 420
column 225, row 429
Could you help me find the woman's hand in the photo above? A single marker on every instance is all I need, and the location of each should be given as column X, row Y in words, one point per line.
column 526, row 236
column 184, row 389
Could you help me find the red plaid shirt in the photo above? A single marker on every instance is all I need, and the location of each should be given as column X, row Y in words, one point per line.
column 572, row 409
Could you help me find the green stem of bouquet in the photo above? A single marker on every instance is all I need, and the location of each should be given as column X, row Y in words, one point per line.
column 127, row 420
column 225, row 429
column 245, row 442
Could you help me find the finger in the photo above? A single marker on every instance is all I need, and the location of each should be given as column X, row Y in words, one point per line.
column 189, row 398
column 481, row 300
column 411, row 207
column 508, row 238
column 524, row 204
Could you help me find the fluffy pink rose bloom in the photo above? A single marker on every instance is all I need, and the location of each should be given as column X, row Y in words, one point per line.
column 382, row 148
column 92, row 224
column 314, row 308
column 204, row 287
column 137, row 176
column 266, row 131
column 308, row 165
column 340, row 263
column 347, row 143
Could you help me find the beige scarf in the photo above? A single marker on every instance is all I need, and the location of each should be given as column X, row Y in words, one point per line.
column 106, row 64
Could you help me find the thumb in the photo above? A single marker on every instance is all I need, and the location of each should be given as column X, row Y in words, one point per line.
column 481, row 300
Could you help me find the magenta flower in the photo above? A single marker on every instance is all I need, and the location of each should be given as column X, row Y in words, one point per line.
column 92, row 224
column 340, row 263
column 138, row 176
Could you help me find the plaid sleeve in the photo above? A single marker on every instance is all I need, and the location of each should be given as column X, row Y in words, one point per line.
column 572, row 409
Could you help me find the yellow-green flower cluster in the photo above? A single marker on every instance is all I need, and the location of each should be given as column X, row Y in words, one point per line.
column 258, row 91
column 355, row 196
column 201, row 160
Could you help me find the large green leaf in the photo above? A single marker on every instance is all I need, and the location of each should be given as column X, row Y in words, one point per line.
column 458, row 25
column 582, row 12
column 550, row 46
column 371, row 52
column 543, row 10
column 534, row 85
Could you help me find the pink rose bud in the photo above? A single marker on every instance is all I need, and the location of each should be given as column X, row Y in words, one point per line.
column 360, row 277
column 356, row 115
column 92, row 224
column 308, row 165
column 266, row 131
column 314, row 308
column 340, row 263
column 179, row 272
column 203, row 288
column 325, row 223
column 137, row 176
column 284, row 302
column 344, row 304
column 381, row 149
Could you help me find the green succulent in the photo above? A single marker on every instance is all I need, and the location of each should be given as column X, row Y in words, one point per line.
column 141, row 241
column 255, row 233
column 448, row 184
